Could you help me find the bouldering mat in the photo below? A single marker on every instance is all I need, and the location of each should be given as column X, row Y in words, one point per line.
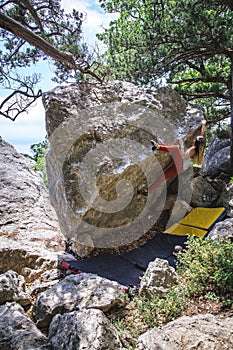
column 127, row 268
column 160, row 246
column 112, row 267
column 198, row 222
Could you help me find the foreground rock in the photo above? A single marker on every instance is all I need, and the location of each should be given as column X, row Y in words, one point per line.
column 13, row 288
column 86, row 329
column 30, row 237
column 17, row 331
column 100, row 155
column 197, row 332
column 158, row 277
column 223, row 229
column 77, row 292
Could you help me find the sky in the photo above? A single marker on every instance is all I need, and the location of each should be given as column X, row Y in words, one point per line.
column 29, row 128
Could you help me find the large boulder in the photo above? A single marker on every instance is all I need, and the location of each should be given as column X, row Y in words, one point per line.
column 30, row 237
column 100, row 155
column 197, row 332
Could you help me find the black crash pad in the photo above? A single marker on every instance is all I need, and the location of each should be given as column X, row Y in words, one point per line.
column 127, row 268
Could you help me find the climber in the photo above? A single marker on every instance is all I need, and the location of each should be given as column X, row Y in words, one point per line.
column 195, row 152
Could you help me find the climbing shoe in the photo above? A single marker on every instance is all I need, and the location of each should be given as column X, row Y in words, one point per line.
column 155, row 145
column 143, row 193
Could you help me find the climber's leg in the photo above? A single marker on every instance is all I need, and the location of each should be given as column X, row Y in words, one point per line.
column 175, row 169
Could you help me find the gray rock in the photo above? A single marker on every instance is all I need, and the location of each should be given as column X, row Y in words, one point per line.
column 158, row 277
column 26, row 259
column 226, row 199
column 17, row 331
column 223, row 229
column 29, row 232
column 208, row 188
column 86, row 329
column 217, row 159
column 13, row 288
column 47, row 280
column 77, row 292
column 196, row 332
column 204, row 194
column 100, row 139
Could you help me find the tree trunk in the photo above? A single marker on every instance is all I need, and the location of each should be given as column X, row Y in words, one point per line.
column 33, row 39
column 19, row 30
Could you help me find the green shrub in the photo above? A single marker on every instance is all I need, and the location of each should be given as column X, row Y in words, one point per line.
column 39, row 151
column 207, row 265
column 161, row 309
column 41, row 166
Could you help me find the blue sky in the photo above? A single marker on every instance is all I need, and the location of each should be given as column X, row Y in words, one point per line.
column 30, row 128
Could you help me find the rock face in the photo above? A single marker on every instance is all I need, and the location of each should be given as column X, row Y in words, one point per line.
column 100, row 155
column 197, row 332
column 30, row 237
column 87, row 329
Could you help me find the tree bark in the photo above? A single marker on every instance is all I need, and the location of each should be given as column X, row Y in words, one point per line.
column 19, row 30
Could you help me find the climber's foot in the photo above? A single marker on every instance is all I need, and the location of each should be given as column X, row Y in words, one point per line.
column 155, row 145
column 143, row 193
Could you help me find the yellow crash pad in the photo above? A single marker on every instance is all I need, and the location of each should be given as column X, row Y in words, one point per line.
column 182, row 230
column 197, row 223
column 202, row 218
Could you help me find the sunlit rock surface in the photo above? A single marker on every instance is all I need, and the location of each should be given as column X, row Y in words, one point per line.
column 30, row 237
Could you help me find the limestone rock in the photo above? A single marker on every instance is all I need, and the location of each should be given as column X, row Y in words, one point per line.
column 177, row 211
column 158, row 277
column 101, row 154
column 223, row 229
column 209, row 186
column 86, row 329
column 217, row 159
column 17, row 331
column 13, row 288
column 196, row 332
column 226, row 199
column 204, row 194
column 26, row 259
column 29, row 230
column 77, row 292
